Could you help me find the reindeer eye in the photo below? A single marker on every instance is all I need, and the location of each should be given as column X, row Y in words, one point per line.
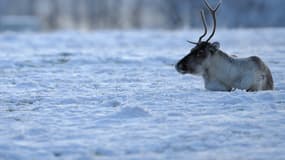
column 200, row 53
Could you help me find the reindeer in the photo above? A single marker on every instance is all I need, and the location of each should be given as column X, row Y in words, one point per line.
column 220, row 71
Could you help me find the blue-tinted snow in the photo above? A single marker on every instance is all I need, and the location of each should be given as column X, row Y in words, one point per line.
column 116, row 95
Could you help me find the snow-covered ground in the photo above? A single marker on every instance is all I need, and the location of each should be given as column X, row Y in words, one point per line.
column 116, row 95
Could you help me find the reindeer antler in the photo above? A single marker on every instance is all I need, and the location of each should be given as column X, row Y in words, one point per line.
column 213, row 13
column 202, row 13
column 204, row 24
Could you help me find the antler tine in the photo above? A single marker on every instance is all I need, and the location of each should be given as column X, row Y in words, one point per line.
column 192, row 42
column 210, row 8
column 213, row 13
column 204, row 24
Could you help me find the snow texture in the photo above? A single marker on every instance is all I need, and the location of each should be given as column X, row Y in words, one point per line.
column 116, row 95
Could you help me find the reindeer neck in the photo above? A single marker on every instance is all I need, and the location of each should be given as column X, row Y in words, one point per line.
column 225, row 57
column 221, row 65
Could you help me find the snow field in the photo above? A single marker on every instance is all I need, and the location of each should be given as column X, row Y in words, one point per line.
column 116, row 95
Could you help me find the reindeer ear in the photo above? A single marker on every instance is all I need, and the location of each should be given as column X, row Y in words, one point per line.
column 216, row 45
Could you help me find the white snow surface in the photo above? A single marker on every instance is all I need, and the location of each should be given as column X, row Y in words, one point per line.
column 116, row 95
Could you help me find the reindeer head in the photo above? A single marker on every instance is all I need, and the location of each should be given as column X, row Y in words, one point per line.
column 198, row 58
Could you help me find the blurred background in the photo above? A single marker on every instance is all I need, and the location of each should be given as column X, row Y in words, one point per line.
column 86, row 15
